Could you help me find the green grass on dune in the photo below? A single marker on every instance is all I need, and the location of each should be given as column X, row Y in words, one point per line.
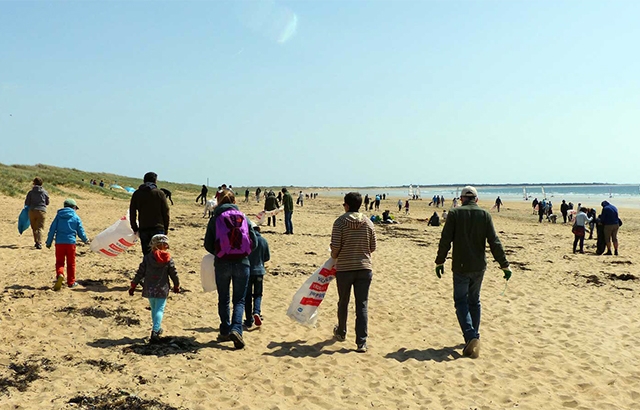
column 16, row 181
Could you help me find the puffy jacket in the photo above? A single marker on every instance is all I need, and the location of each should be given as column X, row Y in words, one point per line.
column 609, row 215
column 65, row 227
column 37, row 199
column 156, row 274
column 148, row 208
column 470, row 227
column 271, row 202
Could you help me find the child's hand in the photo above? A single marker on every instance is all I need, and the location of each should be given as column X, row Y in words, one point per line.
column 176, row 289
column 48, row 246
column 132, row 289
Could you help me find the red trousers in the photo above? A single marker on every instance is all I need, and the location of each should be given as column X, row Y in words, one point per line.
column 68, row 251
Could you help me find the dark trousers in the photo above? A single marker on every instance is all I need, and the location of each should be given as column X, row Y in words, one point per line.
column 360, row 280
column 577, row 239
column 145, row 238
column 269, row 219
column 253, row 298
column 564, row 217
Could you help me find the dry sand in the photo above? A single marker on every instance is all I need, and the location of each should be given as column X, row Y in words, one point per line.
column 563, row 335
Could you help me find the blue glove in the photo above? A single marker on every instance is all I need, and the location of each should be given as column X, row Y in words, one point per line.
column 507, row 273
column 440, row 270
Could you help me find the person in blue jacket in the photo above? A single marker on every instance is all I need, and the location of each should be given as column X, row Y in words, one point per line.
column 611, row 222
column 64, row 229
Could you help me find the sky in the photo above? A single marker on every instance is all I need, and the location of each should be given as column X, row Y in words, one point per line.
column 325, row 93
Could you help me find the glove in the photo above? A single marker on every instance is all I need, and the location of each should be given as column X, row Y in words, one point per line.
column 440, row 270
column 176, row 289
column 132, row 289
column 507, row 273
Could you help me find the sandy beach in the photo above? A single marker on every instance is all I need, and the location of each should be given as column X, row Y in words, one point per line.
column 561, row 335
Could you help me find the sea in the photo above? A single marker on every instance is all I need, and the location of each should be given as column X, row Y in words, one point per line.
column 626, row 196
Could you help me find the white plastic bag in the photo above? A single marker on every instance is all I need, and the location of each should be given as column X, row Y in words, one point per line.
column 304, row 305
column 116, row 239
column 262, row 216
column 208, row 273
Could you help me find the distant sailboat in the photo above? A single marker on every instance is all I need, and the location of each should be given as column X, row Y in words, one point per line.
column 410, row 190
column 417, row 191
column 524, row 193
column 544, row 196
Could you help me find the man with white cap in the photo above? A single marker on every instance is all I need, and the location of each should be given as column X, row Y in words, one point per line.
column 469, row 228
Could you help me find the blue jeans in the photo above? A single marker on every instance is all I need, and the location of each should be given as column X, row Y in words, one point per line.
column 253, row 297
column 466, row 295
column 288, row 225
column 226, row 274
column 157, row 312
column 360, row 280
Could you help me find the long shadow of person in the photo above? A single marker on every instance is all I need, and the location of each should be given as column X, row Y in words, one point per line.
column 299, row 348
column 166, row 346
column 445, row 354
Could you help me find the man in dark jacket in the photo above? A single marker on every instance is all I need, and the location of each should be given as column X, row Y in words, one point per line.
column 149, row 211
column 37, row 201
column 469, row 227
column 203, row 195
column 287, row 201
column 564, row 209
column 611, row 222
column 271, row 204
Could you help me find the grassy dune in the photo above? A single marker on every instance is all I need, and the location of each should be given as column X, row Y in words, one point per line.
column 16, row 181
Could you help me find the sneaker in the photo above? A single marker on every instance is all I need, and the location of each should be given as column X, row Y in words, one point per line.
column 472, row 349
column 155, row 337
column 247, row 325
column 223, row 338
column 362, row 348
column 73, row 285
column 238, row 341
column 338, row 336
column 58, row 284
column 38, row 246
column 608, row 253
column 615, row 252
column 257, row 319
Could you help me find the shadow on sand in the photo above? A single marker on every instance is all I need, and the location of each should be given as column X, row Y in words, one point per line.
column 445, row 354
column 299, row 348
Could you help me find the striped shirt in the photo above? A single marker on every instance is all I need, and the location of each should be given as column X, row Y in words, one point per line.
column 353, row 239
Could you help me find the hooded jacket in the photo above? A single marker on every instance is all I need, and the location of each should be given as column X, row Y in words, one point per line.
column 259, row 256
column 287, row 201
column 156, row 274
column 148, row 208
column 470, row 227
column 609, row 215
column 353, row 239
column 64, row 228
column 271, row 203
column 210, row 236
column 37, row 199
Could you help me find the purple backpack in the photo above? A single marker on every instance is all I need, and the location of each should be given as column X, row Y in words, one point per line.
column 232, row 235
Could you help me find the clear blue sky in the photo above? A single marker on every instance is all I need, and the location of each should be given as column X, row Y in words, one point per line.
column 325, row 93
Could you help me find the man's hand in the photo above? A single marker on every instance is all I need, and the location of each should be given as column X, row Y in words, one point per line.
column 440, row 270
column 507, row 273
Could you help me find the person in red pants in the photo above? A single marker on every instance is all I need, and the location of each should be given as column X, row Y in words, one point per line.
column 64, row 229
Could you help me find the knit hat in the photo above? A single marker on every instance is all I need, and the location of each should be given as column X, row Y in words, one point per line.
column 158, row 239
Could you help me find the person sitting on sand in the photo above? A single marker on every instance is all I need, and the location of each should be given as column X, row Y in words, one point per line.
column 386, row 218
column 155, row 269
column 434, row 220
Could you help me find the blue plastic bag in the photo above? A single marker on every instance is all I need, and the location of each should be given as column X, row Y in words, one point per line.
column 23, row 220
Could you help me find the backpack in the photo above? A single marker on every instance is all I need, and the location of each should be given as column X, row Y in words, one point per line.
column 232, row 235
